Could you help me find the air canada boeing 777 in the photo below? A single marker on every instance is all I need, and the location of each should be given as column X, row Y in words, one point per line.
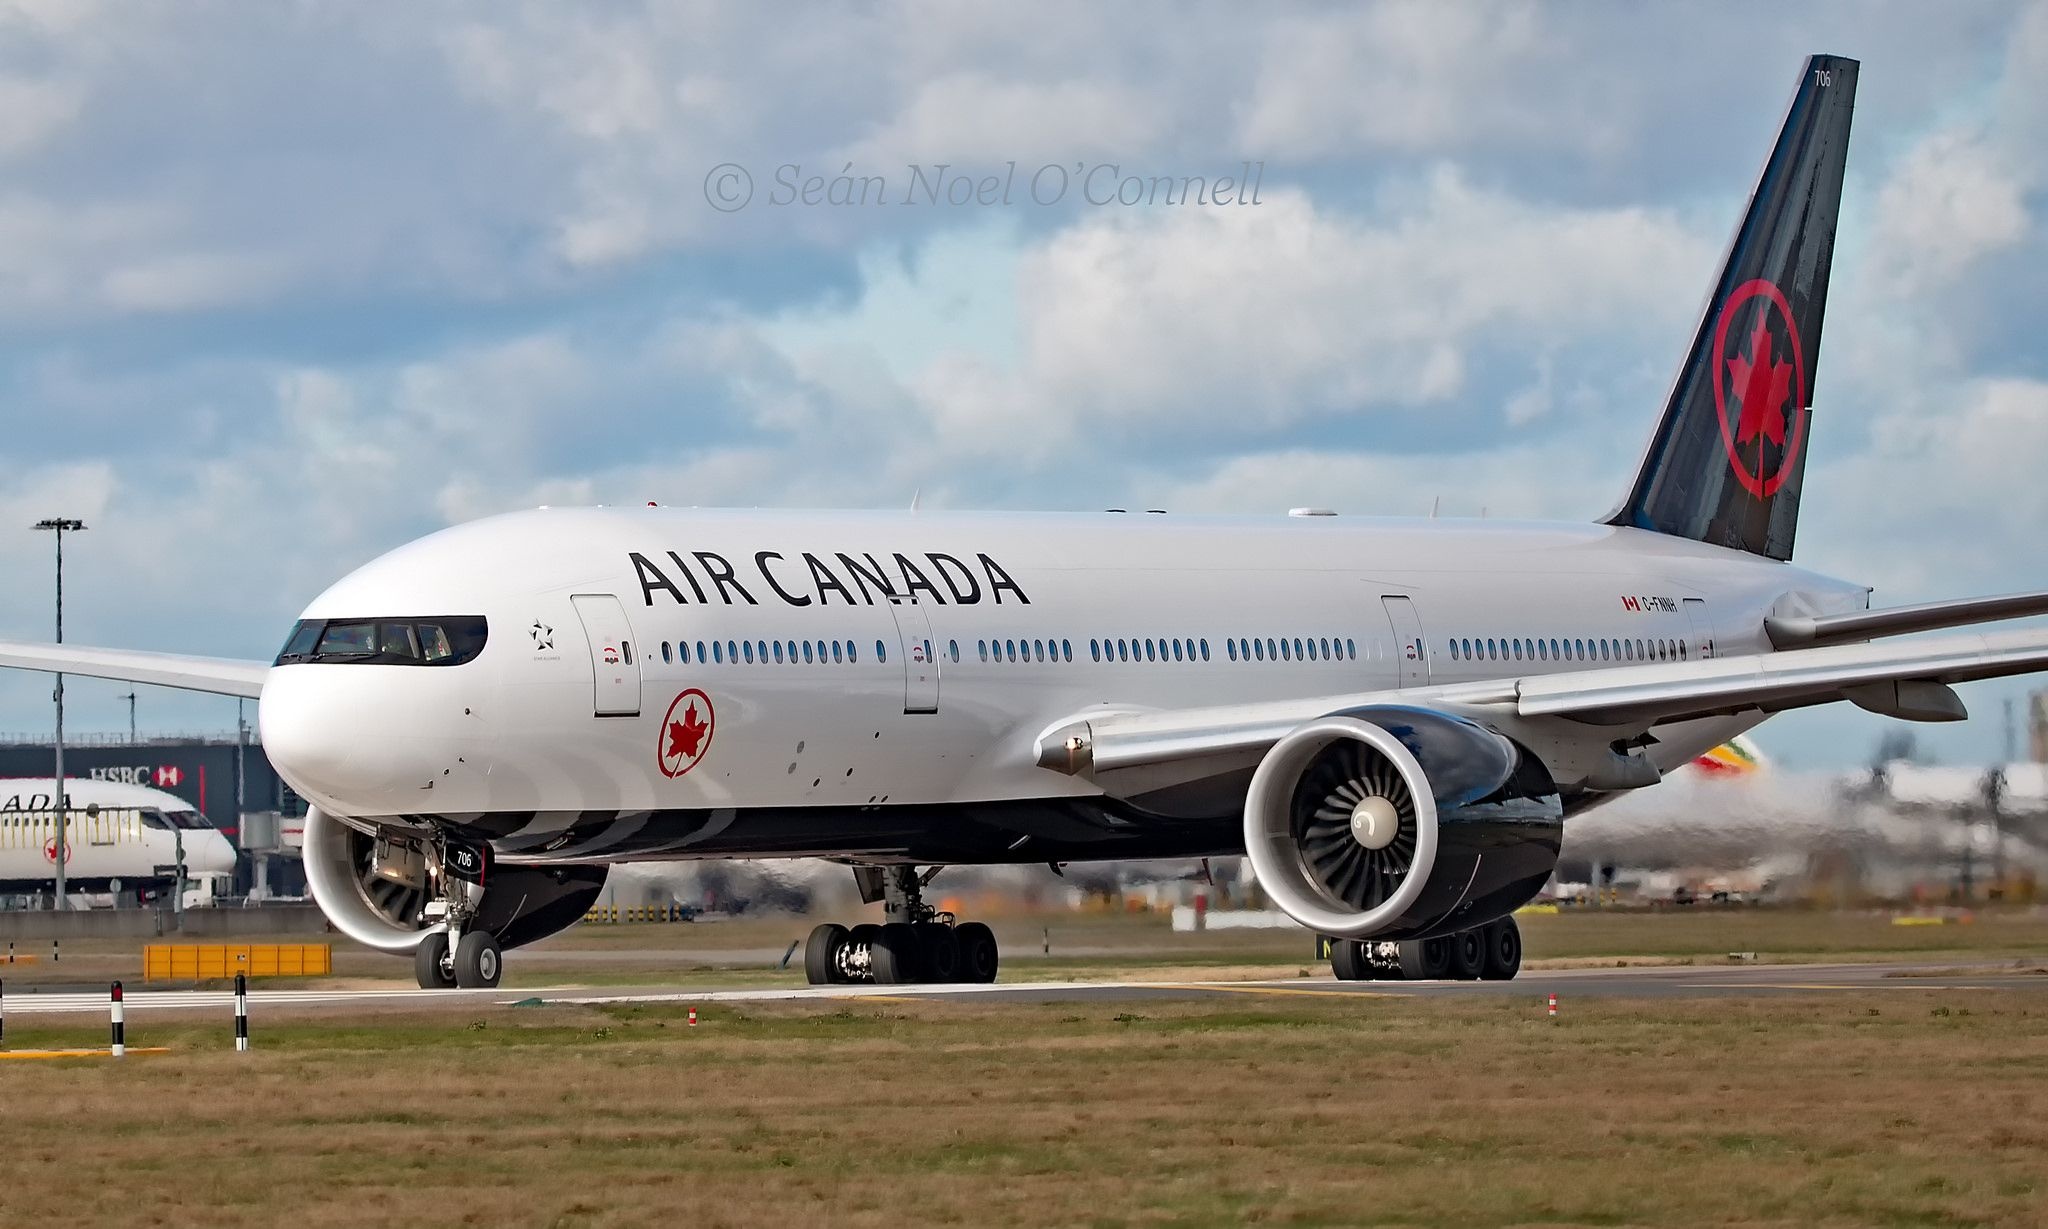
column 1393, row 719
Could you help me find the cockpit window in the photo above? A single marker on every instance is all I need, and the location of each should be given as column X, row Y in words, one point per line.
column 348, row 640
column 398, row 640
column 304, row 636
column 434, row 643
column 155, row 819
column 444, row 641
column 190, row 820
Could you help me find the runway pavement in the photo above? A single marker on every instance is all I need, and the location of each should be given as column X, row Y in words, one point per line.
column 1647, row 982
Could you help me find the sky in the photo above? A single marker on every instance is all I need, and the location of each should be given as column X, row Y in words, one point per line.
column 285, row 285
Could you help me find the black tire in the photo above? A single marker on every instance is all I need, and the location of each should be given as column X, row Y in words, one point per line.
column 1468, row 954
column 478, row 962
column 430, row 963
column 1503, row 950
column 941, row 952
column 896, row 959
column 1348, row 960
column 1425, row 959
column 821, row 954
column 978, row 953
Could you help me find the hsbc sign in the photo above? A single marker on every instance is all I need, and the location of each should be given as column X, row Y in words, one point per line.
column 161, row 776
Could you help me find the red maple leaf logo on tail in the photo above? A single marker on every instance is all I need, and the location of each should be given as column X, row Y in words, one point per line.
column 687, row 735
column 1761, row 384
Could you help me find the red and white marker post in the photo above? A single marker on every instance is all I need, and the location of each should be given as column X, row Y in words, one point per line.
column 120, row 1037
column 693, row 1017
column 1553, row 1004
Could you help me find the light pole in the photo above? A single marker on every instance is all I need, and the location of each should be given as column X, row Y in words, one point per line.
column 130, row 697
column 60, row 525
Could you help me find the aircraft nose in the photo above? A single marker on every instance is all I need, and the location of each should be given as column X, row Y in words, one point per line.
column 217, row 858
column 353, row 739
column 306, row 739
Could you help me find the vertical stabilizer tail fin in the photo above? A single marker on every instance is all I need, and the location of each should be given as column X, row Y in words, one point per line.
column 1725, row 463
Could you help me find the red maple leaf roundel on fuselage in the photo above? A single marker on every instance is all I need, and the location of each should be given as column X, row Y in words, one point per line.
column 685, row 736
column 686, row 732
column 1761, row 386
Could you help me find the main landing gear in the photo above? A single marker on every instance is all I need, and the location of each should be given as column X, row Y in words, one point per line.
column 1492, row 952
column 916, row 944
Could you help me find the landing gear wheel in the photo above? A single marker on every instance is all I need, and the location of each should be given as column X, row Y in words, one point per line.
column 430, row 963
column 821, row 954
column 894, row 956
column 1348, row 960
column 978, row 954
column 478, row 963
column 1468, row 954
column 1503, row 950
column 1425, row 959
column 941, row 952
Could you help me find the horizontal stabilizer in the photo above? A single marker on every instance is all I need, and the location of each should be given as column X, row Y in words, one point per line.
column 219, row 675
column 1799, row 633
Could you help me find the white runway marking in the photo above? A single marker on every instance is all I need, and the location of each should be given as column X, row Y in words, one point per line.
column 193, row 1000
column 1651, row 980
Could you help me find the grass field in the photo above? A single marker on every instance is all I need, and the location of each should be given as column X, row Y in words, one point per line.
column 1909, row 1107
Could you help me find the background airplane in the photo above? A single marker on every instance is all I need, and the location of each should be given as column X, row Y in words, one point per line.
column 123, row 840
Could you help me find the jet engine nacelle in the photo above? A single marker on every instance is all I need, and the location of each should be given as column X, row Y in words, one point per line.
column 379, row 905
column 1389, row 822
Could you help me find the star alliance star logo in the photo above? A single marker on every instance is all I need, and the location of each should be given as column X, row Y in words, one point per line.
column 543, row 636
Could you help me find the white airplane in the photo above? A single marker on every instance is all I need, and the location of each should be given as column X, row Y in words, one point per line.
column 1391, row 718
column 120, row 838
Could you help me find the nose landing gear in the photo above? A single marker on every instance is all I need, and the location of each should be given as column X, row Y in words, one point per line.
column 918, row 944
column 456, row 956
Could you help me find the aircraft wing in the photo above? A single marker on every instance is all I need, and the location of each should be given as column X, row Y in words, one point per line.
column 1906, row 679
column 220, row 675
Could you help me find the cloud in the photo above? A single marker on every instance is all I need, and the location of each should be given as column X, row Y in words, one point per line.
column 1952, row 201
column 1514, row 483
column 34, row 111
column 1414, row 77
column 1945, row 502
column 1134, row 320
column 978, row 119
